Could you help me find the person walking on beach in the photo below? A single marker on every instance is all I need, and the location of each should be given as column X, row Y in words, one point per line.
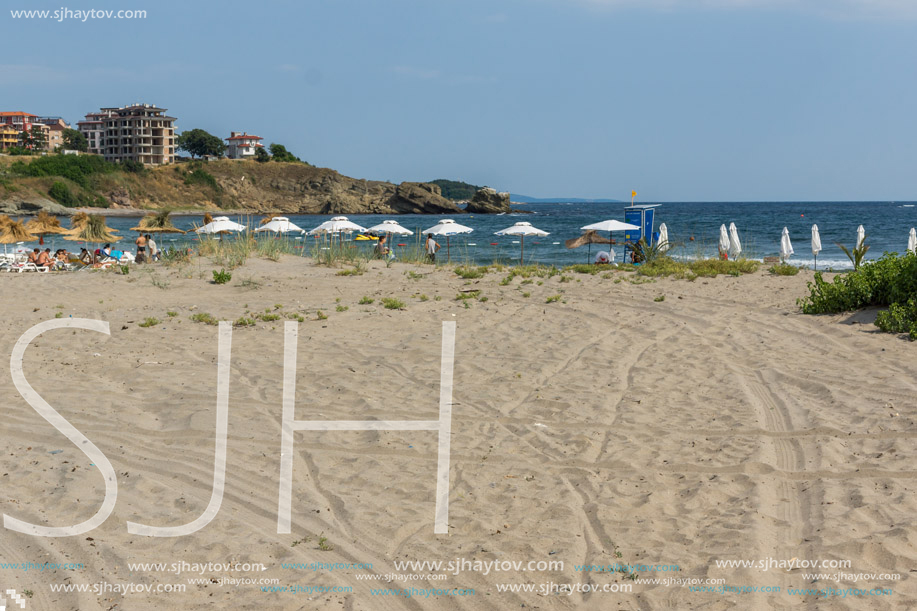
column 154, row 250
column 141, row 249
column 431, row 247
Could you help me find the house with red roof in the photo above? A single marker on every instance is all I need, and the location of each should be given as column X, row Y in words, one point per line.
column 242, row 145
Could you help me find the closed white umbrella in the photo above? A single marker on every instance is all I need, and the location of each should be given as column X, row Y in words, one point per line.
column 861, row 237
column 735, row 246
column 663, row 238
column 786, row 247
column 221, row 224
column 723, row 245
column 522, row 229
column 448, row 228
column 912, row 241
column 816, row 244
column 280, row 224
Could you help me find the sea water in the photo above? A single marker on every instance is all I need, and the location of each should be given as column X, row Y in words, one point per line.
column 759, row 225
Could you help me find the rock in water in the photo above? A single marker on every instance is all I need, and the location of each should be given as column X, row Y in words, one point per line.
column 488, row 201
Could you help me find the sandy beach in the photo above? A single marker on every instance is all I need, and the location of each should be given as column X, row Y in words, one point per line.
column 605, row 427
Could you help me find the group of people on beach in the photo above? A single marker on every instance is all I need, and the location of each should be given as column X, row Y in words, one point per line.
column 44, row 258
column 430, row 247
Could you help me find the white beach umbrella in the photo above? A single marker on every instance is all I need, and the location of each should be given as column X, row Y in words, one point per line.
column 786, row 247
column 723, row 245
column 861, row 236
column 609, row 226
column 735, row 246
column 521, row 229
column 220, row 224
column 338, row 224
column 280, row 224
column 912, row 241
column 389, row 227
column 448, row 228
column 663, row 238
column 816, row 244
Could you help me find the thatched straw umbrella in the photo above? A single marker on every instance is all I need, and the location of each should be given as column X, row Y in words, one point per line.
column 44, row 224
column 4, row 220
column 268, row 219
column 157, row 223
column 207, row 218
column 94, row 231
column 590, row 237
column 78, row 221
column 13, row 232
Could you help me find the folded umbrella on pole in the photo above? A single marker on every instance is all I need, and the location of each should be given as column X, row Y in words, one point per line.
column 912, row 241
column 786, row 247
column 723, row 245
column 735, row 246
column 816, row 244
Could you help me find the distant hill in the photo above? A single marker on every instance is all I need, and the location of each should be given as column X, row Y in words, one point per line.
column 455, row 189
column 525, row 199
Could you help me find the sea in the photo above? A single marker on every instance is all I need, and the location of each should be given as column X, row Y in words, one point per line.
column 693, row 230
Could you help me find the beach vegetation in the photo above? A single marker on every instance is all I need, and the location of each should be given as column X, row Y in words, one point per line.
column 390, row 303
column 857, row 254
column 221, row 277
column 524, row 294
column 205, row 318
column 890, row 281
column 59, row 315
column 470, row 272
column 319, row 315
column 467, row 295
column 424, row 298
column 171, row 313
column 552, row 299
column 269, row 317
column 296, row 316
column 150, row 322
column 783, row 269
column 366, row 300
column 341, row 308
column 323, row 543
column 585, row 268
column 242, row 321
column 660, row 298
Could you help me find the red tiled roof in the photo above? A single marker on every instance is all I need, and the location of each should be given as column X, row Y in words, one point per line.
column 245, row 138
column 16, row 114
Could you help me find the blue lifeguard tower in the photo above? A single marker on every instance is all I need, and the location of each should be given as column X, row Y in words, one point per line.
column 644, row 217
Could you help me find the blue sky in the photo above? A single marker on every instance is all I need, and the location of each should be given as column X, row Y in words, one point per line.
column 682, row 100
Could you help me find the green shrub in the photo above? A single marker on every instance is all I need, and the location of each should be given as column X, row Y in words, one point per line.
column 221, row 277
column 60, row 192
column 889, row 281
column 470, row 272
column 205, row 318
column 784, row 269
column 150, row 322
column 366, row 300
column 390, row 303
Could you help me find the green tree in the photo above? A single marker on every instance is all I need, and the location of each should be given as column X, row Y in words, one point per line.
column 75, row 141
column 261, row 155
column 280, row 153
column 34, row 139
column 199, row 143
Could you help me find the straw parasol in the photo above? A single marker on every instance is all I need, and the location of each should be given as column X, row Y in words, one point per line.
column 268, row 219
column 4, row 220
column 590, row 237
column 13, row 232
column 157, row 223
column 94, row 230
column 207, row 218
column 44, row 224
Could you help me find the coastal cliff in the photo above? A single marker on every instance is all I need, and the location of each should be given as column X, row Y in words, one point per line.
column 293, row 188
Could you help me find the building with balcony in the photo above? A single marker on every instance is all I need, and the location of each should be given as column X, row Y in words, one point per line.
column 242, row 145
column 93, row 127
column 139, row 132
column 55, row 134
column 9, row 137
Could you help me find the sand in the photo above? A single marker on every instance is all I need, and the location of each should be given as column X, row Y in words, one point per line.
column 716, row 424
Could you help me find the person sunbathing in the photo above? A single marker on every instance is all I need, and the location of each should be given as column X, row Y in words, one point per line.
column 44, row 259
column 85, row 257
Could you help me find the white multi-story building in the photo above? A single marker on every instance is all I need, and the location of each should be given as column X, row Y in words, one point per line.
column 139, row 132
column 242, row 145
